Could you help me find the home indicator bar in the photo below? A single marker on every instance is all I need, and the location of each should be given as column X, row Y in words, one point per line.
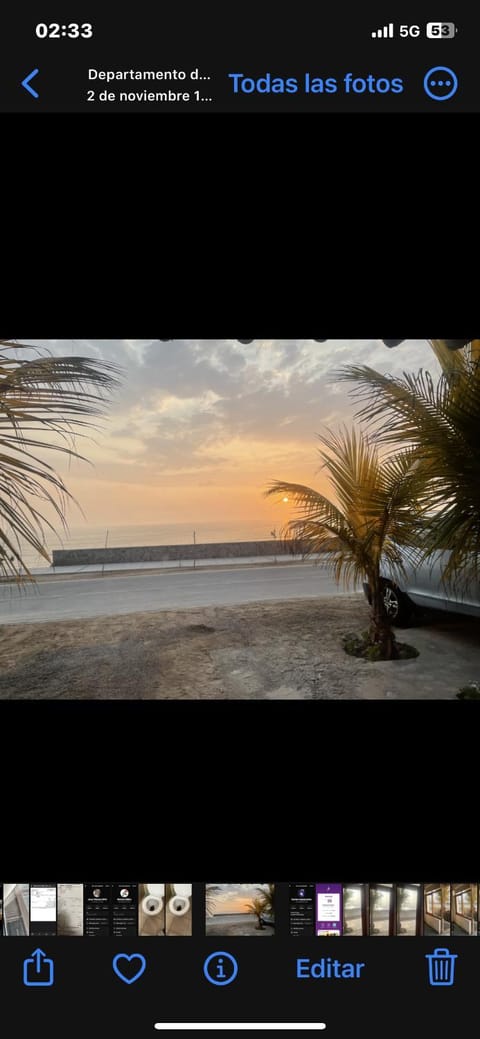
column 238, row 1027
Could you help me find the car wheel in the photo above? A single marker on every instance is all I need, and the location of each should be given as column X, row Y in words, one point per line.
column 398, row 606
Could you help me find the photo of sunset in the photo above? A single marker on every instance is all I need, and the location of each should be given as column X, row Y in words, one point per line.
column 239, row 519
column 197, row 429
column 240, row 909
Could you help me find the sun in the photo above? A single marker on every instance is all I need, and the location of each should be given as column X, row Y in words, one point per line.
column 284, row 499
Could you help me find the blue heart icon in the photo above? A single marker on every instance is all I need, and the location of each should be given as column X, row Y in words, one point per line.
column 129, row 979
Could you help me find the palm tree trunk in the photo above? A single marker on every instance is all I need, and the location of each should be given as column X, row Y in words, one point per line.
column 381, row 633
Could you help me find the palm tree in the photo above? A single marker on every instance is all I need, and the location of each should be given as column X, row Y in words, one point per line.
column 40, row 396
column 379, row 511
column 440, row 419
column 210, row 901
column 267, row 894
column 263, row 904
column 257, row 907
column 448, row 351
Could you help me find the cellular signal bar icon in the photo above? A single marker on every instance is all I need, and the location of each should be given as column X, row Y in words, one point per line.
column 385, row 33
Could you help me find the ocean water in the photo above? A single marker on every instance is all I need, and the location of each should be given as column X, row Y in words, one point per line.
column 154, row 534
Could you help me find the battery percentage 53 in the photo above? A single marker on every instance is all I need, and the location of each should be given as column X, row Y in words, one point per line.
column 441, row 30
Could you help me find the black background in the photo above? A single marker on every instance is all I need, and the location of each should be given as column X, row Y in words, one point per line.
column 391, row 996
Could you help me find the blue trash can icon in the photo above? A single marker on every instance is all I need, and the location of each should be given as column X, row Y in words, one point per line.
column 441, row 967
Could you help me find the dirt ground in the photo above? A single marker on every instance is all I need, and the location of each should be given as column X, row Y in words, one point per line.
column 280, row 650
column 233, row 927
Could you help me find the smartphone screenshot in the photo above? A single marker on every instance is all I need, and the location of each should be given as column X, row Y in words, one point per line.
column 43, row 909
column 98, row 910
column 239, row 582
column 302, row 909
column 192, row 58
column 124, row 909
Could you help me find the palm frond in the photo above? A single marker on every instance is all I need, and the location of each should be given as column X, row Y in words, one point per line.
column 380, row 507
column 440, row 422
column 43, row 396
column 449, row 360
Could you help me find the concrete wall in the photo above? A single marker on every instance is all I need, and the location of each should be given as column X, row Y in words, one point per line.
column 462, row 922
column 434, row 923
column 146, row 554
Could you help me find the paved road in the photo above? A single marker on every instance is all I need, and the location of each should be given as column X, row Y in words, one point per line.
column 52, row 600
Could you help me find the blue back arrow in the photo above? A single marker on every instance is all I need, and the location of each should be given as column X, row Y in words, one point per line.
column 26, row 83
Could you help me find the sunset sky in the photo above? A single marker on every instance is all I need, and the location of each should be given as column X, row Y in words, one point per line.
column 199, row 428
column 234, row 898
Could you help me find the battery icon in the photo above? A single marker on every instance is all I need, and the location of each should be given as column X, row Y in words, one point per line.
column 441, row 30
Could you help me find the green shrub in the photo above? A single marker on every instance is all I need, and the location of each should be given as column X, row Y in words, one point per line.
column 469, row 692
column 361, row 646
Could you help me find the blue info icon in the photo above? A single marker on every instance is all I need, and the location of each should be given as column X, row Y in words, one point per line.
column 220, row 968
column 38, row 970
